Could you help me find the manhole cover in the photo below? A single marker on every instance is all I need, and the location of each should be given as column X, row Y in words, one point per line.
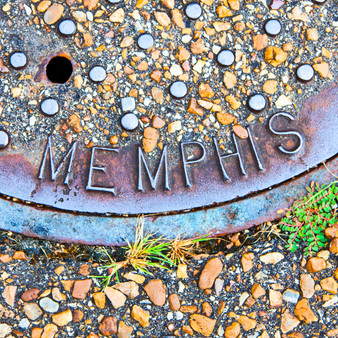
column 130, row 107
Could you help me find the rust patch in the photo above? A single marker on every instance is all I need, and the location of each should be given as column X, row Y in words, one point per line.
column 264, row 164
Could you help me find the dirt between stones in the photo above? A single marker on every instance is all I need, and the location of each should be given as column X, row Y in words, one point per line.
column 258, row 291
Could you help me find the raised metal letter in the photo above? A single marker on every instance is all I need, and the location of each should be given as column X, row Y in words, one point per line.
column 153, row 180
column 91, row 168
column 54, row 173
column 253, row 145
column 296, row 133
column 236, row 153
column 186, row 162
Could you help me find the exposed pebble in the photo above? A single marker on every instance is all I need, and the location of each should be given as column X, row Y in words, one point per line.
column 81, row 288
column 315, row 264
column 62, row 318
column 202, row 324
column 53, row 14
column 49, row 305
column 140, row 315
column 32, row 311
column 304, row 313
column 108, row 326
column 272, row 258
column 209, row 273
column 156, row 292
column 307, row 285
column 116, row 297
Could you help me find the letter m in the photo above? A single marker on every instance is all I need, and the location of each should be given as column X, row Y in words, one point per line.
column 54, row 173
column 153, row 179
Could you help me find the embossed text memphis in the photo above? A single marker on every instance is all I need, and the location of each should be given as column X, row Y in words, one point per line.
column 163, row 166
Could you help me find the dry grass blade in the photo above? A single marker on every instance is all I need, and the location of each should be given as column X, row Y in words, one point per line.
column 182, row 249
column 145, row 252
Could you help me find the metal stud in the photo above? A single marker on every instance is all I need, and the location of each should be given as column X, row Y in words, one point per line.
column 145, row 41
column 178, row 89
column 129, row 121
column 49, row 106
column 4, row 139
column 272, row 27
column 225, row 58
column 257, row 103
column 193, row 10
column 97, row 74
column 319, row 2
column 18, row 60
column 67, row 27
column 305, row 73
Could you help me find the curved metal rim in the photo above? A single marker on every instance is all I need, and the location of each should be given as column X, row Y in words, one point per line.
column 229, row 218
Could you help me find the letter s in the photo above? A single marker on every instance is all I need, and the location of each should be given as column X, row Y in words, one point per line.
column 295, row 133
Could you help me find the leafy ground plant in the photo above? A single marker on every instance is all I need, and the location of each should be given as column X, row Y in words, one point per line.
column 305, row 223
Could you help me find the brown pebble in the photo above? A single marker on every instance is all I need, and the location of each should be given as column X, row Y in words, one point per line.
column 240, row 131
column 84, row 270
column 202, row 324
column 334, row 246
column 315, row 264
column 188, row 308
column 77, row 316
column 156, row 75
column 331, row 232
column 157, row 122
column 150, row 137
column 221, row 307
column 156, row 291
column 207, row 309
column 275, row 56
column 3, row 68
column 209, row 273
column 174, row 302
column 225, row 118
column 232, row 331
column 140, row 315
column 53, row 14
column 194, row 108
column 30, row 294
column 188, row 330
column 81, row 288
column 114, row 140
column 108, row 326
column 260, row 41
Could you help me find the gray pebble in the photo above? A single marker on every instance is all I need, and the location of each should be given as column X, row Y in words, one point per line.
column 24, row 324
column 49, row 305
column 291, row 296
column 128, row 103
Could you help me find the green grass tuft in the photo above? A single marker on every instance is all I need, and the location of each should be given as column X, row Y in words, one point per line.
column 149, row 251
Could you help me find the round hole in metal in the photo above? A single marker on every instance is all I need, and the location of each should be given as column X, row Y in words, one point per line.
column 59, row 69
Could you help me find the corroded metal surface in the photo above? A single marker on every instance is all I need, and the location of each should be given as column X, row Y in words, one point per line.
column 265, row 159
column 231, row 217
column 95, row 126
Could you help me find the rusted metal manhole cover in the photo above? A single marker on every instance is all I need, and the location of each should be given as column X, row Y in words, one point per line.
column 138, row 107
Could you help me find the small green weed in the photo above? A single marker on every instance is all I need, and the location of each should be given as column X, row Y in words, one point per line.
column 149, row 251
column 146, row 252
column 309, row 216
